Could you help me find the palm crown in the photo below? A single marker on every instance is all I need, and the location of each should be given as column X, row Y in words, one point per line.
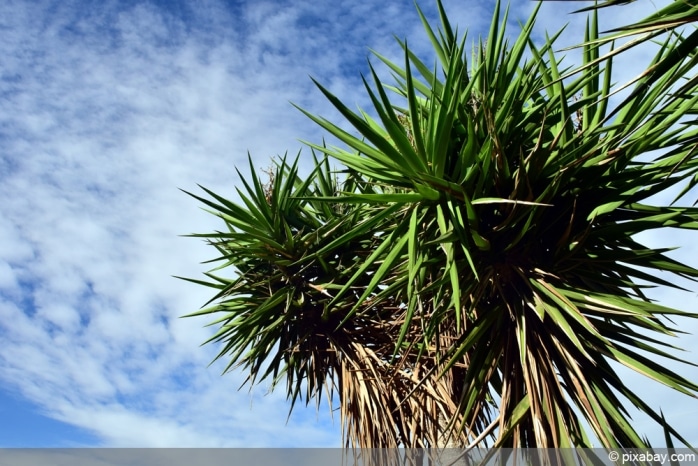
column 472, row 272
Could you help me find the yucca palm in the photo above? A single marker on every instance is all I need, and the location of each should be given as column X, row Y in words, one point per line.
column 471, row 273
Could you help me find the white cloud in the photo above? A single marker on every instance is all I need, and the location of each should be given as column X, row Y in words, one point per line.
column 106, row 110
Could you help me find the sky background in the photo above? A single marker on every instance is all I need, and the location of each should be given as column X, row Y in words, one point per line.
column 106, row 109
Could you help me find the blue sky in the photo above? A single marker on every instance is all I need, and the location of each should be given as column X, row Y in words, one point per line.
column 106, row 109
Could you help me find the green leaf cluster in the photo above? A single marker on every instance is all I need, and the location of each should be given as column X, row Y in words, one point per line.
column 472, row 273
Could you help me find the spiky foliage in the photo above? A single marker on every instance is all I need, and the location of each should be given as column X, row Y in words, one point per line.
column 676, row 14
column 667, row 20
column 473, row 274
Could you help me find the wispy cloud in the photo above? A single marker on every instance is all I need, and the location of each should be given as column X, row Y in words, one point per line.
column 106, row 109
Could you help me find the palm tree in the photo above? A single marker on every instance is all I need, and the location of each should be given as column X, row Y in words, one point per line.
column 470, row 275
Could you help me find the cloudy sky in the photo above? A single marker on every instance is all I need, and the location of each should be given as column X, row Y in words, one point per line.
column 106, row 109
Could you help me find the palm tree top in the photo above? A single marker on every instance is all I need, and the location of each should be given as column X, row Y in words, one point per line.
column 471, row 273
